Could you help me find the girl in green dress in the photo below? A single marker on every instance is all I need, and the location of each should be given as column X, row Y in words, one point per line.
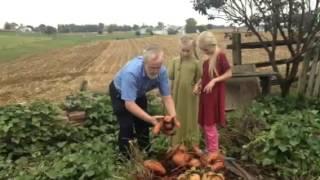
column 184, row 71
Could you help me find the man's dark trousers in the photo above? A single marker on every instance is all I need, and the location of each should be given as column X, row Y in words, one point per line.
column 130, row 126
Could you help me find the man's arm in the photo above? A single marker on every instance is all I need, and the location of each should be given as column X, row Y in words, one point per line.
column 132, row 107
column 129, row 94
column 169, row 104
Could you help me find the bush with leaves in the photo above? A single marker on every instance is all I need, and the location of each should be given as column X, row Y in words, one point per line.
column 33, row 130
column 279, row 134
column 99, row 115
column 155, row 106
column 92, row 159
column 38, row 143
column 291, row 141
column 291, row 145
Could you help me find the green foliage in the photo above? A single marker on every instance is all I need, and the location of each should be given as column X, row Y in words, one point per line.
column 93, row 159
column 138, row 33
column 50, row 30
column 150, row 31
column 191, row 25
column 100, row 119
column 38, row 143
column 33, row 130
column 160, row 146
column 172, row 31
column 202, row 28
column 155, row 106
column 280, row 134
column 290, row 143
column 100, row 28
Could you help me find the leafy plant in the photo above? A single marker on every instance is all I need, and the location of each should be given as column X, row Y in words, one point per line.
column 33, row 130
column 37, row 141
column 292, row 144
column 100, row 118
column 92, row 159
column 279, row 134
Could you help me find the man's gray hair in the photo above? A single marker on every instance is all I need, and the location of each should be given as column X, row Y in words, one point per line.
column 150, row 51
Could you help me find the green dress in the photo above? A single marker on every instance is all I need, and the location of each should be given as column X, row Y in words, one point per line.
column 184, row 74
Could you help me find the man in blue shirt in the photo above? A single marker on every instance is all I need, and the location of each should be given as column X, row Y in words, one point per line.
column 128, row 95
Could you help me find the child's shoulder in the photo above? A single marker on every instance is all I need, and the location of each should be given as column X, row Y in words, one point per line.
column 196, row 62
column 221, row 53
column 222, row 60
column 177, row 58
column 221, row 56
column 172, row 61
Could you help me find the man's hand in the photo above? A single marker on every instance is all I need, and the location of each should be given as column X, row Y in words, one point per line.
column 157, row 124
column 162, row 120
column 132, row 107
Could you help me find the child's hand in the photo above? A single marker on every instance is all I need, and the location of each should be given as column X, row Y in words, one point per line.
column 176, row 122
column 197, row 89
column 209, row 86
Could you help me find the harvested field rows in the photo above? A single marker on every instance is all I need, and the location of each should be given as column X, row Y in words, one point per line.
column 58, row 73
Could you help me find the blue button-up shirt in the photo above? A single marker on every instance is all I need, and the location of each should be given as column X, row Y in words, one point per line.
column 132, row 82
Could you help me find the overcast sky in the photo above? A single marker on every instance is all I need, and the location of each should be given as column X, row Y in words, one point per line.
column 53, row 12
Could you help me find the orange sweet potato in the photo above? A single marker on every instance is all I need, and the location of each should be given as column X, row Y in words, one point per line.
column 155, row 167
column 181, row 159
column 194, row 163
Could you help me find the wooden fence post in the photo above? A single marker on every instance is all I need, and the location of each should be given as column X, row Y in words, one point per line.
column 317, row 80
column 236, row 48
column 303, row 78
column 312, row 75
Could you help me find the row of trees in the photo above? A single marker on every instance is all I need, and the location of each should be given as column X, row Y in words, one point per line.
column 45, row 29
column 62, row 28
column 100, row 28
column 67, row 28
column 191, row 27
column 10, row 26
column 41, row 28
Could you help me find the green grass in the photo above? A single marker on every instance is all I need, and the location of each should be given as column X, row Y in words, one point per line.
column 13, row 45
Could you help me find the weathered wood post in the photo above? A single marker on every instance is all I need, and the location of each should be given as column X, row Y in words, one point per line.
column 236, row 48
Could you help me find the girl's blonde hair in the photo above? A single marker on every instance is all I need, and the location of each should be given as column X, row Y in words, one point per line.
column 207, row 40
column 187, row 40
